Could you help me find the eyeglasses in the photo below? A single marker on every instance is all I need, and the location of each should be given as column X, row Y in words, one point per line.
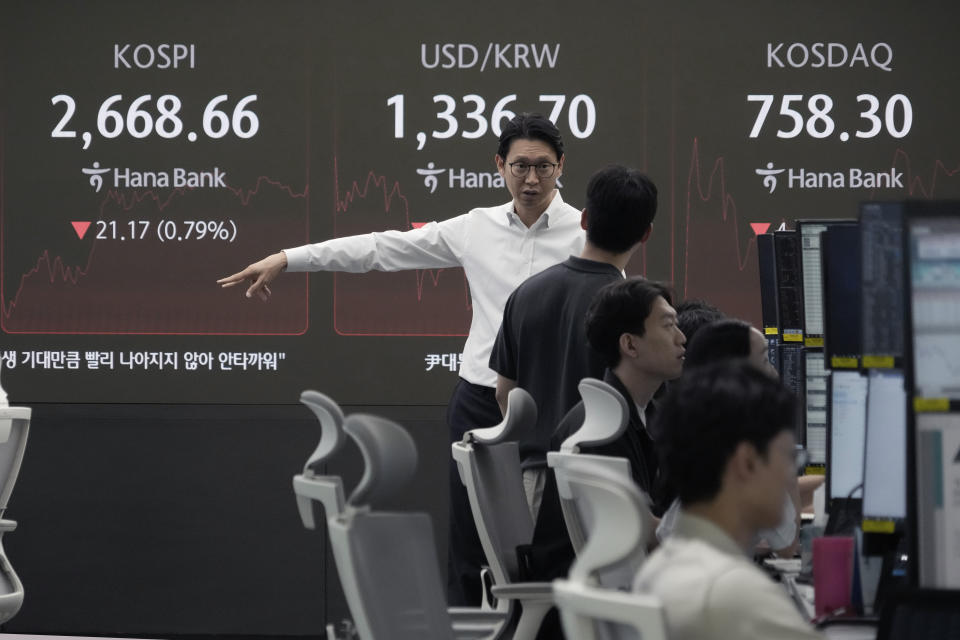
column 543, row 169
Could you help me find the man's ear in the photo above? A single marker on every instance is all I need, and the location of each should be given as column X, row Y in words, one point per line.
column 646, row 236
column 744, row 461
column 628, row 345
column 583, row 219
column 497, row 160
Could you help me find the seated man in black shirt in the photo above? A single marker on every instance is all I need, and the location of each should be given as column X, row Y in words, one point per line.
column 633, row 327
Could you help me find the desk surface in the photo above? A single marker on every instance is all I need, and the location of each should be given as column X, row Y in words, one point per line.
column 802, row 596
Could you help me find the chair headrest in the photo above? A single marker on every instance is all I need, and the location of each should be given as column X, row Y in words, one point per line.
column 621, row 519
column 605, row 415
column 389, row 456
column 332, row 437
column 521, row 416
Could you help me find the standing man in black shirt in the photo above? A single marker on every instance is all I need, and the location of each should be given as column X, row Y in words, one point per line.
column 541, row 346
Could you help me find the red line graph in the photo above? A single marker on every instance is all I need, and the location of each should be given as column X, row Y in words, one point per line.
column 717, row 264
column 419, row 302
column 914, row 183
column 728, row 207
column 130, row 287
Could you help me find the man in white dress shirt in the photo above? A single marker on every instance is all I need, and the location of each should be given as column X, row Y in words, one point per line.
column 498, row 248
column 727, row 446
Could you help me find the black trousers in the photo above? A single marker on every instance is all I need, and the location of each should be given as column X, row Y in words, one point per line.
column 472, row 406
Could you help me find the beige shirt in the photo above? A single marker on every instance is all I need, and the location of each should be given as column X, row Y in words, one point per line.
column 712, row 591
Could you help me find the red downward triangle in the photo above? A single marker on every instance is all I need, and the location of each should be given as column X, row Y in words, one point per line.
column 417, row 225
column 759, row 227
column 80, row 228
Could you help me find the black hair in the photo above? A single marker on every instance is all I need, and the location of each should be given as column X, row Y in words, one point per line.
column 721, row 340
column 621, row 307
column 694, row 314
column 530, row 126
column 620, row 206
column 707, row 414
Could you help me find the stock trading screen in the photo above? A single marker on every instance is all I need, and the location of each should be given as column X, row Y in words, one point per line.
column 148, row 148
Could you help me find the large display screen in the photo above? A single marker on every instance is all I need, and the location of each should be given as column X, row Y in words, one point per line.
column 148, row 148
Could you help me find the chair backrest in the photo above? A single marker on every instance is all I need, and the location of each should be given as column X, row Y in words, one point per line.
column 621, row 524
column 605, row 416
column 576, row 515
column 591, row 613
column 388, row 569
column 387, row 561
column 310, row 486
column 489, row 465
column 619, row 515
column 14, row 428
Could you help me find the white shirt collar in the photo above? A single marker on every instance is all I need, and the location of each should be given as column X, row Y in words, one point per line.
column 691, row 526
column 555, row 207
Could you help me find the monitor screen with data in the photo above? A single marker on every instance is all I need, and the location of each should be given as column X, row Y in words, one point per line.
column 881, row 247
column 885, row 458
column 846, row 429
column 150, row 147
column 934, row 243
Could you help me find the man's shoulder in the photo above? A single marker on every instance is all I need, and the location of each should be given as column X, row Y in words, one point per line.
column 708, row 591
column 549, row 277
column 496, row 213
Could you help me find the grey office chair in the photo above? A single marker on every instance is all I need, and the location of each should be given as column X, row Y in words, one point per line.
column 605, row 418
column 14, row 428
column 620, row 529
column 489, row 464
column 310, row 488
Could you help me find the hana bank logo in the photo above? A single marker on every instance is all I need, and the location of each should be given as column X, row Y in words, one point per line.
column 434, row 178
column 770, row 176
column 848, row 178
column 96, row 177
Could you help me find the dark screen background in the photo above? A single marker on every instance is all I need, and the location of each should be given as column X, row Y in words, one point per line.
column 668, row 86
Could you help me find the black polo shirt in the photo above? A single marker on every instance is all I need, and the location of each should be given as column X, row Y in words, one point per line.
column 542, row 343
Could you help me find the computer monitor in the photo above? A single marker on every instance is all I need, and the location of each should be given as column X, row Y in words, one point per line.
column 933, row 243
column 815, row 404
column 812, row 277
column 846, row 429
column 790, row 367
column 881, row 252
column 767, row 261
column 789, row 291
column 885, row 450
column 937, row 511
column 932, row 371
column 911, row 614
column 842, row 323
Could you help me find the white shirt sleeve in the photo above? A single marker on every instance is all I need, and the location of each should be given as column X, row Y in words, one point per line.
column 432, row 246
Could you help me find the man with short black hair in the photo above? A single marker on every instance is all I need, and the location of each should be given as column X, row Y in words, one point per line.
column 695, row 313
column 634, row 328
column 727, row 446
